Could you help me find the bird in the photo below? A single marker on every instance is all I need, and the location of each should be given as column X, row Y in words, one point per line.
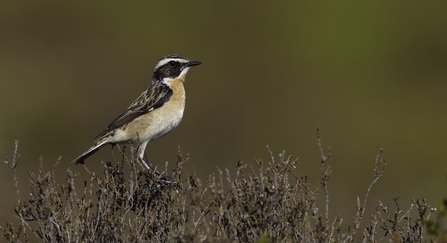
column 155, row 113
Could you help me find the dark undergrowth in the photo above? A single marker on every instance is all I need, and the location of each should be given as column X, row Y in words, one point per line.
column 265, row 202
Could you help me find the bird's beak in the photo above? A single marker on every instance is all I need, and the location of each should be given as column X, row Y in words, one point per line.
column 193, row 63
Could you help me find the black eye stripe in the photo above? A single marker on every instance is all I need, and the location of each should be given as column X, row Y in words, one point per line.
column 172, row 63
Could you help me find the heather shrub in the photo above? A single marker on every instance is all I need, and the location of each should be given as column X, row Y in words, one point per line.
column 266, row 201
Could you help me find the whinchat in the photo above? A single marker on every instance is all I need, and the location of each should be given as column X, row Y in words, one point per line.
column 156, row 112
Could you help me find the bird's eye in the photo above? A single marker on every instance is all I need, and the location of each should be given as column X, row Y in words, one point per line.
column 171, row 63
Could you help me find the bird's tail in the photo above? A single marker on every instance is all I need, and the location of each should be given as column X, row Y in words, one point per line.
column 88, row 153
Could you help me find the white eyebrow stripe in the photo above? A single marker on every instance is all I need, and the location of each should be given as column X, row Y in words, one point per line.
column 164, row 61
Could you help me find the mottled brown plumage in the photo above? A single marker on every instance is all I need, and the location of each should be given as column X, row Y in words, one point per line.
column 156, row 112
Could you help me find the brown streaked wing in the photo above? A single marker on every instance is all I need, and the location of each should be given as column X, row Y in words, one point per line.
column 153, row 98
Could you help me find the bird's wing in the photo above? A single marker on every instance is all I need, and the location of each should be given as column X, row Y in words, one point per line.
column 152, row 98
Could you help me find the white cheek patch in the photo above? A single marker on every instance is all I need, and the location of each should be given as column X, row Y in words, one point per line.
column 184, row 71
column 167, row 80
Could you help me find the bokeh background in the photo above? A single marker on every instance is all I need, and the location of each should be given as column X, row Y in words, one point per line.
column 369, row 75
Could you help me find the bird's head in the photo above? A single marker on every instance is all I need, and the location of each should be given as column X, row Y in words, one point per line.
column 172, row 67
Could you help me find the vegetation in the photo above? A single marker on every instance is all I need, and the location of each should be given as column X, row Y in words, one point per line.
column 267, row 202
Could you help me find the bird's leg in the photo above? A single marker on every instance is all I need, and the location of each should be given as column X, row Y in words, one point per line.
column 162, row 178
column 140, row 154
column 151, row 168
column 144, row 163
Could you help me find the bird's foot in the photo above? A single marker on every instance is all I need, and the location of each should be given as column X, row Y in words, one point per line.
column 162, row 179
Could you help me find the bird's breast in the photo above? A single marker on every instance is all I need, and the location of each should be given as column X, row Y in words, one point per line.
column 160, row 121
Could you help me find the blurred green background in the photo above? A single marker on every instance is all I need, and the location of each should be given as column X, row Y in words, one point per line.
column 370, row 75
